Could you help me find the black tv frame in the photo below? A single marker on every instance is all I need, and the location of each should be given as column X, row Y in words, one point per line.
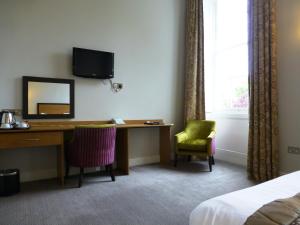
column 94, row 75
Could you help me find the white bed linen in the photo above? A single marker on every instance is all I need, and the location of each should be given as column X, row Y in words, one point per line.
column 234, row 208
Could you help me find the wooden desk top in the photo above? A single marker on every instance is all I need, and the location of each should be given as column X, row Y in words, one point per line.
column 70, row 125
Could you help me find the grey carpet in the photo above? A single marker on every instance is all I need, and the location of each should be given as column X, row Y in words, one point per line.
column 150, row 195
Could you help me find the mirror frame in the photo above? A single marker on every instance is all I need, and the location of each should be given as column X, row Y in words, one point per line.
column 27, row 79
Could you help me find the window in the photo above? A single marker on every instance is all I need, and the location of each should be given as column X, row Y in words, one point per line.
column 226, row 56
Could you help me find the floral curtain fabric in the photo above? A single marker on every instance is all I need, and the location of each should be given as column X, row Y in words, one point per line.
column 194, row 62
column 263, row 114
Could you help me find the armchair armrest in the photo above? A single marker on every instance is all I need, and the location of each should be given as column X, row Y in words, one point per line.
column 211, row 135
column 211, row 143
column 182, row 136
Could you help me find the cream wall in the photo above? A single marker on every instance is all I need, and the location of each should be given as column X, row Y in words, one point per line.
column 289, row 81
column 147, row 37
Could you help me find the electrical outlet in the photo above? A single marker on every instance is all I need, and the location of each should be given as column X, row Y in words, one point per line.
column 294, row 150
column 117, row 86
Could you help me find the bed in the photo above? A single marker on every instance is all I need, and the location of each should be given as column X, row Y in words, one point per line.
column 234, row 208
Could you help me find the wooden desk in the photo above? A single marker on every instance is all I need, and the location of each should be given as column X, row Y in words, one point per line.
column 53, row 134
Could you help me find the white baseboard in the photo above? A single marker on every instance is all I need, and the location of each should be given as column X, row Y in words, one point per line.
column 221, row 154
column 27, row 176
column 144, row 160
column 231, row 156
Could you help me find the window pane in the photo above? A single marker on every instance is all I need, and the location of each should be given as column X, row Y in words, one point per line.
column 231, row 23
column 232, row 62
column 226, row 55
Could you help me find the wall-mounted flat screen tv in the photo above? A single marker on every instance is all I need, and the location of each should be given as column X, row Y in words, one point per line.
column 93, row 64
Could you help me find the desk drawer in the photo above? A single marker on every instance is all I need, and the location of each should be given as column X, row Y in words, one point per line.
column 30, row 139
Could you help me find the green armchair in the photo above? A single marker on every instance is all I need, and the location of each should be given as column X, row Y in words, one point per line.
column 197, row 139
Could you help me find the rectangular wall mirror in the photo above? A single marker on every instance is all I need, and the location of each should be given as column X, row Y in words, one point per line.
column 48, row 98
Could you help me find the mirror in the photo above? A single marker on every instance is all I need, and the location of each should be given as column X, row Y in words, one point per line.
column 47, row 98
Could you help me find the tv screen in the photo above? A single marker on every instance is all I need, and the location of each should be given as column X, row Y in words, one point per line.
column 93, row 64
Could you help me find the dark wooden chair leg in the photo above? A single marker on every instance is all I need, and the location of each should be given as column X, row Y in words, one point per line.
column 213, row 160
column 111, row 172
column 175, row 160
column 210, row 163
column 80, row 177
column 189, row 158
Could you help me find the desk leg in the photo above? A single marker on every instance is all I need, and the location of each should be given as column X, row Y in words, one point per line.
column 60, row 164
column 165, row 144
column 122, row 151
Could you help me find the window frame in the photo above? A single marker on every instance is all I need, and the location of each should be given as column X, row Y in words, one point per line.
column 230, row 113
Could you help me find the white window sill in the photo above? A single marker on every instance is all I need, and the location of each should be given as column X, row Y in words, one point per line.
column 227, row 115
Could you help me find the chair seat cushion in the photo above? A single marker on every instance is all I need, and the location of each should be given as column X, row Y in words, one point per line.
column 193, row 144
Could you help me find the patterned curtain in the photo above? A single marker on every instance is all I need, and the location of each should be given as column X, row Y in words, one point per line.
column 194, row 101
column 263, row 125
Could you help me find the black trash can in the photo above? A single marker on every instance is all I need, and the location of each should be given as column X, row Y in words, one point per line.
column 9, row 182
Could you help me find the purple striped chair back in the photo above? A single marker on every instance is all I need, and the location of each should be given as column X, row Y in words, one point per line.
column 92, row 146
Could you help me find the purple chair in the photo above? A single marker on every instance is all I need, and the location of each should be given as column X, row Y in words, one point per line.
column 92, row 146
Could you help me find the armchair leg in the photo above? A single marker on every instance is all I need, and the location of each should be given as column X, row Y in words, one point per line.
column 210, row 163
column 80, row 177
column 189, row 158
column 213, row 160
column 111, row 172
column 175, row 160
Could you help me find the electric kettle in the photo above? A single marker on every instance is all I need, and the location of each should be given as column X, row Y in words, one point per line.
column 7, row 120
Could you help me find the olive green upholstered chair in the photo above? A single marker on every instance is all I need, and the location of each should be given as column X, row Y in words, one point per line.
column 197, row 139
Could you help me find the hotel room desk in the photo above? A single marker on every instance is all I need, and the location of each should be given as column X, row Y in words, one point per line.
column 53, row 134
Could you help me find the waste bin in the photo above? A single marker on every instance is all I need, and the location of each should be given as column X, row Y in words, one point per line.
column 9, row 182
